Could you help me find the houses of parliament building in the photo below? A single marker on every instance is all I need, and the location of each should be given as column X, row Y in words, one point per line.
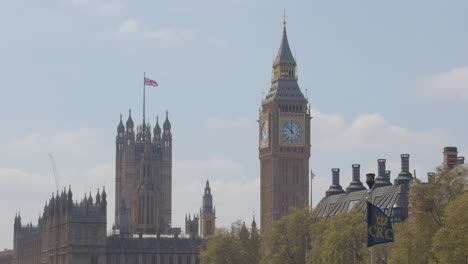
column 70, row 232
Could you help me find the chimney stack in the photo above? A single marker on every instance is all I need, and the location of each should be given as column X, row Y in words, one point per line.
column 335, row 188
column 405, row 162
column 336, row 176
column 450, row 157
column 356, row 172
column 387, row 175
column 356, row 184
column 404, row 177
column 381, row 179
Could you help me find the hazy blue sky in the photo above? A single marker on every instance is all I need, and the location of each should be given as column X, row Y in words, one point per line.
column 383, row 78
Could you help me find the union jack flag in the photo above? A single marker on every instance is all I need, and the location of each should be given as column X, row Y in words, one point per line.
column 150, row 82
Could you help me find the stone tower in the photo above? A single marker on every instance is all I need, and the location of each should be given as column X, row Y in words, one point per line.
column 284, row 141
column 207, row 213
column 144, row 177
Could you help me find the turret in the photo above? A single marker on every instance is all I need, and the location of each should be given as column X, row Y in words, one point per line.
column 335, row 188
column 17, row 221
column 157, row 131
column 98, row 197
column 254, row 224
column 207, row 213
column 104, row 200
column 120, row 128
column 90, row 199
column 207, row 198
column 130, row 134
column 167, row 125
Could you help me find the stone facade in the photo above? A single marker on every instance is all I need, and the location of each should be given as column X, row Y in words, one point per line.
column 284, row 142
column 6, row 256
column 143, row 176
column 67, row 232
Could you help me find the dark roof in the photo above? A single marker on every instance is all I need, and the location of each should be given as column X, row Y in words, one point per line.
column 285, row 90
column 284, row 56
column 162, row 244
column 383, row 197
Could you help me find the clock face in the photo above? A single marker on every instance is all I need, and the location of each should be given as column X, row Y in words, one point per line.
column 291, row 131
column 264, row 133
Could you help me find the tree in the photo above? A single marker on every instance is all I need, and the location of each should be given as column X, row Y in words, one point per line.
column 414, row 239
column 222, row 247
column 289, row 240
column 344, row 239
column 235, row 246
column 450, row 243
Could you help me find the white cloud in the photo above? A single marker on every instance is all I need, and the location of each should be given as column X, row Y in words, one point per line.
column 127, row 27
column 453, row 82
column 170, row 35
column 239, row 122
column 81, row 141
column 102, row 7
column 369, row 133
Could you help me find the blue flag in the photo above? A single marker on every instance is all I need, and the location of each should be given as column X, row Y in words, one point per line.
column 379, row 227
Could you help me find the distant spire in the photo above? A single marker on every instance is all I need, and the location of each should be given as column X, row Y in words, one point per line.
column 167, row 124
column 129, row 120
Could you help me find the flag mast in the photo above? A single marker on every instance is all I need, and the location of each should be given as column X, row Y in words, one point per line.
column 144, row 92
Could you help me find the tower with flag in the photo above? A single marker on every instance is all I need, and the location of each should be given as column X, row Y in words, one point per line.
column 143, row 173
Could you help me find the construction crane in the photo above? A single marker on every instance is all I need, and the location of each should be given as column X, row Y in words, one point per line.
column 54, row 171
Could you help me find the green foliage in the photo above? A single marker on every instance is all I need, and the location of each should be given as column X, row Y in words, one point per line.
column 450, row 243
column 235, row 246
column 413, row 240
column 345, row 238
column 289, row 240
column 340, row 239
column 424, row 237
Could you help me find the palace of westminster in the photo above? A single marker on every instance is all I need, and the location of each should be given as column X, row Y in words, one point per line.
column 70, row 232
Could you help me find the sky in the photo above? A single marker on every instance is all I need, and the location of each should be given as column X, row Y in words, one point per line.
column 382, row 78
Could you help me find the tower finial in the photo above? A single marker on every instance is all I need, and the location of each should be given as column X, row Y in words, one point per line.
column 284, row 17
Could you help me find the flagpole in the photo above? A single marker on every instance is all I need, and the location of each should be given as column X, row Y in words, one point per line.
column 144, row 92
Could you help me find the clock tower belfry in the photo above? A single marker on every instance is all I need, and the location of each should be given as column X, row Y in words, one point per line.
column 284, row 141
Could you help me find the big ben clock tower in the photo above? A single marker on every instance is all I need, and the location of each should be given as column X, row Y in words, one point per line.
column 284, row 141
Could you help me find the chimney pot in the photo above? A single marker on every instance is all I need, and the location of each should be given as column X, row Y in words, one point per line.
column 356, row 172
column 370, row 179
column 405, row 162
column 336, row 176
column 381, row 165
